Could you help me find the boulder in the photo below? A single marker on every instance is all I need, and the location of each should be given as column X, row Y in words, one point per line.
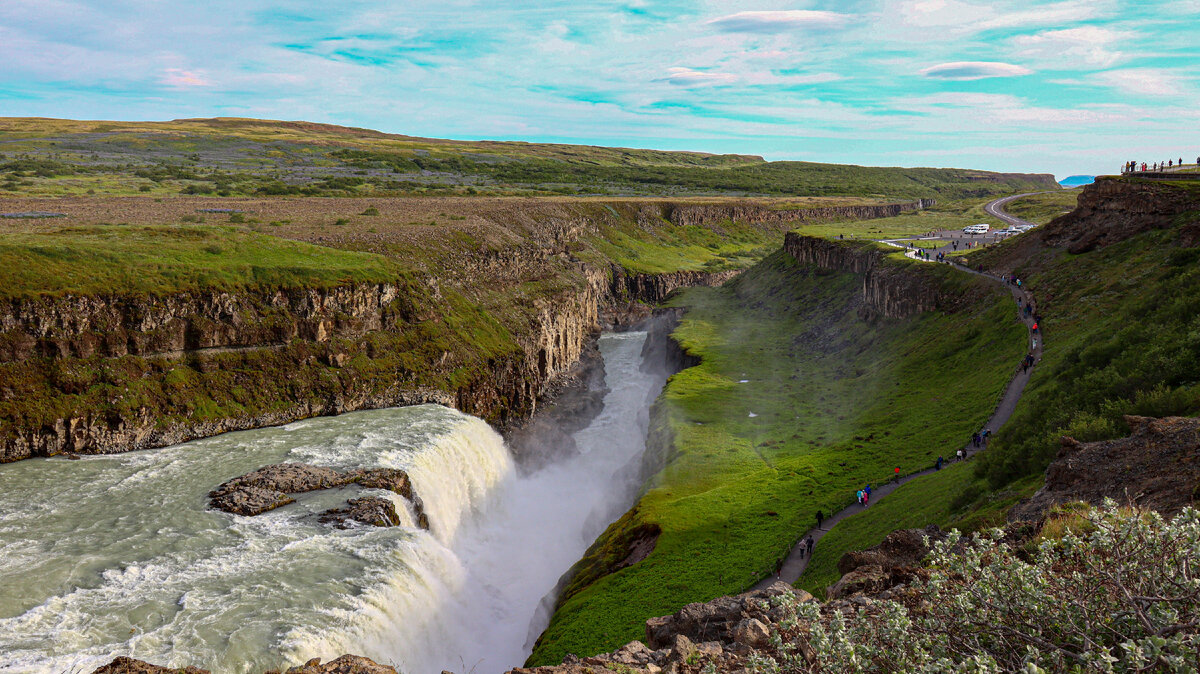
column 369, row 510
column 752, row 632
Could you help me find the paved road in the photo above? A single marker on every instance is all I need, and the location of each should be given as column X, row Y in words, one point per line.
column 996, row 209
column 797, row 560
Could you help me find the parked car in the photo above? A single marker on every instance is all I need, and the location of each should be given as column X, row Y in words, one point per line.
column 981, row 228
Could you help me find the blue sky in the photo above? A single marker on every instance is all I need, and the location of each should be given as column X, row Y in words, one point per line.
column 1063, row 87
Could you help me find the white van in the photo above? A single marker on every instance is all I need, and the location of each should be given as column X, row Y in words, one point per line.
column 977, row 229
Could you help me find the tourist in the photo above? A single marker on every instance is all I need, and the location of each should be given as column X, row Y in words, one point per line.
column 866, row 499
column 809, row 543
column 940, row 461
column 820, row 518
column 959, row 454
column 858, row 495
column 896, row 475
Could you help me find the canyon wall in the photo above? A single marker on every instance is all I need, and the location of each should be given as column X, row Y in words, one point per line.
column 113, row 373
column 890, row 288
column 758, row 214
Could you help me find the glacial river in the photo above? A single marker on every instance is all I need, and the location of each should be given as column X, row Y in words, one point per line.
column 118, row 555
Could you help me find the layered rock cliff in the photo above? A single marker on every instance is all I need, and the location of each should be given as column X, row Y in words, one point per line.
column 1114, row 209
column 892, row 289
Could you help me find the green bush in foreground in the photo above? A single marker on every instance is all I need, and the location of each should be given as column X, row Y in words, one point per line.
column 1122, row 597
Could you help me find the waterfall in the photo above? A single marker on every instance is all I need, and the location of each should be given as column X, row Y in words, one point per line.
column 119, row 555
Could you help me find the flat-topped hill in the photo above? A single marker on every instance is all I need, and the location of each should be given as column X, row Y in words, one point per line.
column 228, row 156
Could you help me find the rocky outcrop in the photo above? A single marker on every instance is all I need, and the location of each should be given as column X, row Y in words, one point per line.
column 1156, row 467
column 369, row 510
column 721, row 619
column 347, row 664
column 124, row 665
column 271, row 486
column 1114, row 209
column 721, row 632
column 886, row 565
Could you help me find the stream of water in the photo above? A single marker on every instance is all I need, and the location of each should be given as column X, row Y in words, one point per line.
column 118, row 555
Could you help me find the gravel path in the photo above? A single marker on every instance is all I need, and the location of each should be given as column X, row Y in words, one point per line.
column 797, row 560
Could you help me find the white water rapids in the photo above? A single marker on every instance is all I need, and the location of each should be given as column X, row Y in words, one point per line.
column 118, row 555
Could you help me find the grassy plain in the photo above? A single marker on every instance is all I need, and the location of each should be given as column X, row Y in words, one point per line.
column 950, row 215
column 168, row 259
column 797, row 402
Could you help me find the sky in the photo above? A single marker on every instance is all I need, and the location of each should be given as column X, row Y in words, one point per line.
column 1066, row 87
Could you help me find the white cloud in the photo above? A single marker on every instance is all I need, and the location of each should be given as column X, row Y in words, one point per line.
column 177, row 77
column 687, row 77
column 778, row 21
column 974, row 70
column 1085, row 46
column 956, row 16
column 1142, row 81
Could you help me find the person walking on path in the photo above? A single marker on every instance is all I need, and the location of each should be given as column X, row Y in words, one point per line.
column 820, row 518
column 940, row 461
column 896, row 475
column 959, row 454
column 809, row 543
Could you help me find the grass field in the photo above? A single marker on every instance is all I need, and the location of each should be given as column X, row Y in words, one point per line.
column 797, row 403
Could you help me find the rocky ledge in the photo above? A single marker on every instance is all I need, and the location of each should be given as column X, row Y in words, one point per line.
column 1156, row 467
column 272, row 486
column 347, row 664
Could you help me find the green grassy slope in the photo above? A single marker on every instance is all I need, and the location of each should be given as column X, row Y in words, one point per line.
column 240, row 157
column 829, row 403
column 169, row 259
column 1123, row 337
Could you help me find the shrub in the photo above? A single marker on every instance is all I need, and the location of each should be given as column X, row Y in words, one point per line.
column 371, row 211
column 1119, row 594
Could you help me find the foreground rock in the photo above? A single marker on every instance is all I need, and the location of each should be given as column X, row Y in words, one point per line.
column 124, row 665
column 347, row 664
column 721, row 632
column 1156, row 467
column 272, row 486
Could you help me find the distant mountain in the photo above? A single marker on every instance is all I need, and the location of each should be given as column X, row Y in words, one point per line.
column 1076, row 181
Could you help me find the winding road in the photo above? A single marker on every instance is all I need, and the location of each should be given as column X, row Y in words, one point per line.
column 797, row 560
